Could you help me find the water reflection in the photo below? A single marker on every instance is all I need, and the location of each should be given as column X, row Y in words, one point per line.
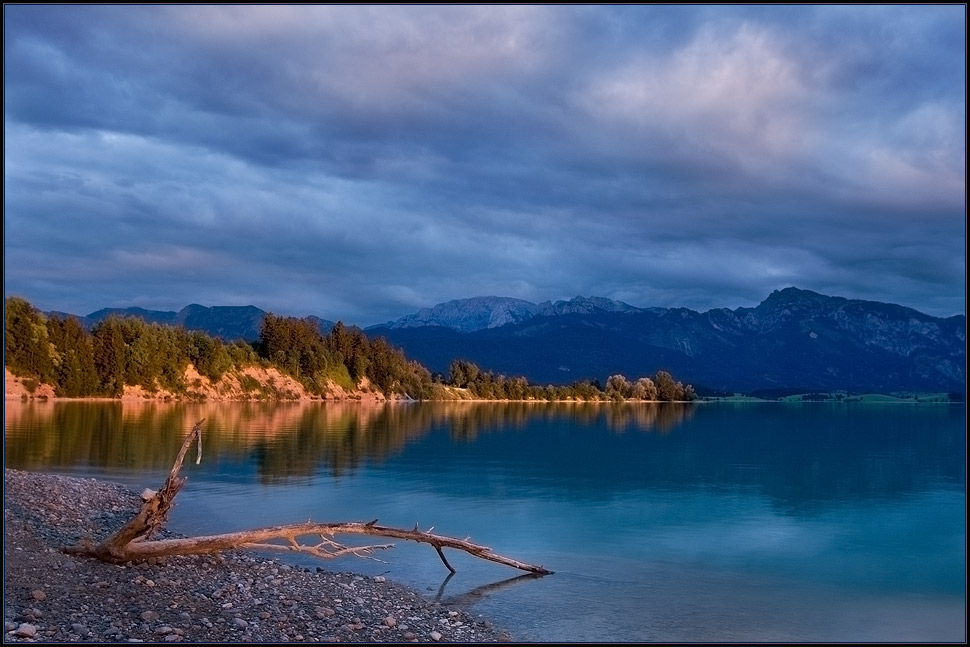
column 800, row 456
column 288, row 439
column 471, row 597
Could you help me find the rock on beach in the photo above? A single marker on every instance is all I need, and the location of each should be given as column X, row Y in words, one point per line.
column 49, row 596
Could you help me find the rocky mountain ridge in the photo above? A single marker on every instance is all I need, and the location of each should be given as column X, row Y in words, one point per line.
column 479, row 313
column 794, row 339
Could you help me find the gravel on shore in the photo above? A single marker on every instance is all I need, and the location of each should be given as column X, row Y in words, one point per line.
column 49, row 596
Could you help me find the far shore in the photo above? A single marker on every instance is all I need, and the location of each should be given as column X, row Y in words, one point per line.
column 286, row 389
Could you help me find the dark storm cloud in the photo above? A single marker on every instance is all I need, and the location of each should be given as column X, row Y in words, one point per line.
column 362, row 162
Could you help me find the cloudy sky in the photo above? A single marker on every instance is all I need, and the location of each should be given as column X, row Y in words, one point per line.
column 360, row 163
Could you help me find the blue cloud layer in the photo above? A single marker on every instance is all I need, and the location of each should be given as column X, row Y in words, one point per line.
column 362, row 162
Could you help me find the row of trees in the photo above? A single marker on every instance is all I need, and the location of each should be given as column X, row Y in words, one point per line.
column 489, row 386
column 129, row 351
column 345, row 356
column 114, row 353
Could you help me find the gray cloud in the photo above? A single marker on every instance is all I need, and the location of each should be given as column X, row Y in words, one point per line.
column 359, row 163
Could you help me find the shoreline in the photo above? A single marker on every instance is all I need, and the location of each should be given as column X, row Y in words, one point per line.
column 278, row 388
column 50, row 596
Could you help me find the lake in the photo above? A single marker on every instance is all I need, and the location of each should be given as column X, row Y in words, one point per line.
column 708, row 522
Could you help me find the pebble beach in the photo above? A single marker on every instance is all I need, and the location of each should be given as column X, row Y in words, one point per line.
column 50, row 596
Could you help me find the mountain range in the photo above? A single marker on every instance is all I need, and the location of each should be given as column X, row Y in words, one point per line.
column 794, row 340
column 477, row 313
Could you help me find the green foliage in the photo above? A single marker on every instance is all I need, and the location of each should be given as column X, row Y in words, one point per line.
column 296, row 347
column 27, row 349
column 248, row 383
column 108, row 343
column 350, row 346
column 209, row 355
column 462, row 373
column 75, row 374
column 128, row 351
column 390, row 370
column 486, row 385
column 670, row 390
column 340, row 376
column 242, row 353
column 618, row 388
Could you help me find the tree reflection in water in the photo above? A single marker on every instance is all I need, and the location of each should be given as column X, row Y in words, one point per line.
column 284, row 439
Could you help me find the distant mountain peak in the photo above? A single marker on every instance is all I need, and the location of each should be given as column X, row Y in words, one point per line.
column 466, row 315
column 584, row 305
column 794, row 339
column 479, row 313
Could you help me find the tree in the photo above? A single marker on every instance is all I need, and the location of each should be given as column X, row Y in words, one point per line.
column 108, row 343
column 644, row 389
column 27, row 349
column 208, row 355
column 74, row 366
column 618, row 388
column 296, row 347
column 670, row 390
column 462, row 373
column 667, row 390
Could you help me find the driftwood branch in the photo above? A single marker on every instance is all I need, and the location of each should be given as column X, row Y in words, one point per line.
column 133, row 541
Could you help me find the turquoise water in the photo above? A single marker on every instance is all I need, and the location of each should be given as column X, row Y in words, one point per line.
column 666, row 523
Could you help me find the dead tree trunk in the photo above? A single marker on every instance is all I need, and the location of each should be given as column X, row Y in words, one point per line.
column 133, row 541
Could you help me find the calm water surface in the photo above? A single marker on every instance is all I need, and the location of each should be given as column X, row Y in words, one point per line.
column 705, row 522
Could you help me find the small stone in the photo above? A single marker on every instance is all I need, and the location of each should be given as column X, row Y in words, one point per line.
column 173, row 638
column 38, row 595
column 164, row 630
column 79, row 629
column 239, row 622
column 26, row 630
column 148, row 616
column 379, row 578
column 9, row 625
column 435, row 636
column 409, row 635
column 390, row 621
column 147, row 494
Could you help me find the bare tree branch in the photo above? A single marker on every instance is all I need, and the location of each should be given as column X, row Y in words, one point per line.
column 133, row 541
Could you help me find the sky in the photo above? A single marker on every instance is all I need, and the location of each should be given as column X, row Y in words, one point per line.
column 359, row 163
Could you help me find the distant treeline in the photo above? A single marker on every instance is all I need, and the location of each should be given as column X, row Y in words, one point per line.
column 129, row 351
column 488, row 386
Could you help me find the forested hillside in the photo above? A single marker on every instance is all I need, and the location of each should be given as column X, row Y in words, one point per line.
column 120, row 352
